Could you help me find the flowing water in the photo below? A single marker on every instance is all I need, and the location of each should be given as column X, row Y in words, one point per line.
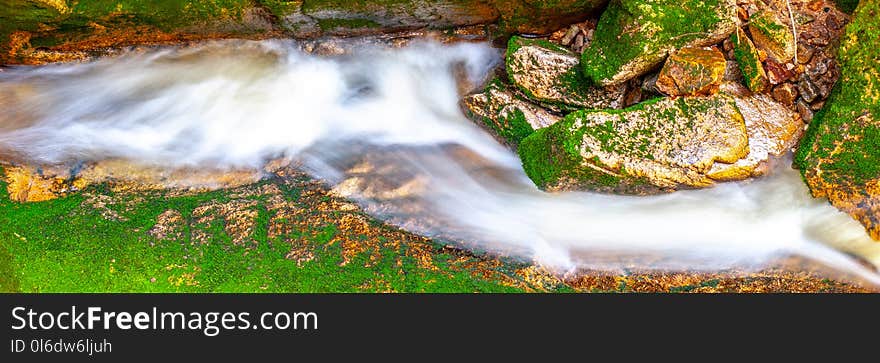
column 383, row 126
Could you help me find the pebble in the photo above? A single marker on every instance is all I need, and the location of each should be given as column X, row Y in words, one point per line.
column 569, row 36
column 817, row 67
column 805, row 54
column 785, row 94
column 777, row 73
column 578, row 44
column 807, row 90
column 804, row 110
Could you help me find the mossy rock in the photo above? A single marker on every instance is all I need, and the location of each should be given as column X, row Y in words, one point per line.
column 635, row 36
column 659, row 145
column 772, row 35
column 552, row 75
column 507, row 115
column 840, row 154
column 749, row 62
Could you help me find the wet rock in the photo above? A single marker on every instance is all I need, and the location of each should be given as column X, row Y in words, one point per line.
column 569, row 36
column 749, row 62
column 635, row 36
column 807, row 90
column 785, row 94
column 840, row 154
column 551, row 75
column 772, row 128
column 655, row 146
column 772, row 35
column 692, row 71
column 777, row 72
column 509, row 116
column 805, row 111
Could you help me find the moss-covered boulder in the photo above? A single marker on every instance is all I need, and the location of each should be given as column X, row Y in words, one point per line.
column 505, row 113
column 772, row 35
column 635, row 36
column 840, row 154
column 749, row 62
column 655, row 146
column 550, row 74
column 692, row 71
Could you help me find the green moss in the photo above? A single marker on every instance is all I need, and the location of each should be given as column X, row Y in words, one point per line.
column 843, row 140
column 66, row 245
column 633, row 36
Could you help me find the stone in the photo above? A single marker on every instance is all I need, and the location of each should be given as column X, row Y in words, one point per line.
column 507, row 115
column 805, row 111
column 572, row 32
column 772, row 128
column 772, row 35
column 655, row 146
column 785, row 94
column 840, row 154
column 777, row 72
column 749, row 62
column 807, row 90
column 692, row 71
column 635, row 36
column 550, row 74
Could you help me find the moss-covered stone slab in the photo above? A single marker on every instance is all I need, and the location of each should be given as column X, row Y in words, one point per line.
column 550, row 74
column 507, row 115
column 692, row 71
column 772, row 127
column 635, row 36
column 656, row 146
column 29, row 28
column 749, row 62
column 840, row 154
column 772, row 35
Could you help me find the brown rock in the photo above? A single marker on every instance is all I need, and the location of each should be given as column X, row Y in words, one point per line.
column 785, row 94
column 776, row 72
column 807, row 89
column 692, row 71
column 804, row 110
